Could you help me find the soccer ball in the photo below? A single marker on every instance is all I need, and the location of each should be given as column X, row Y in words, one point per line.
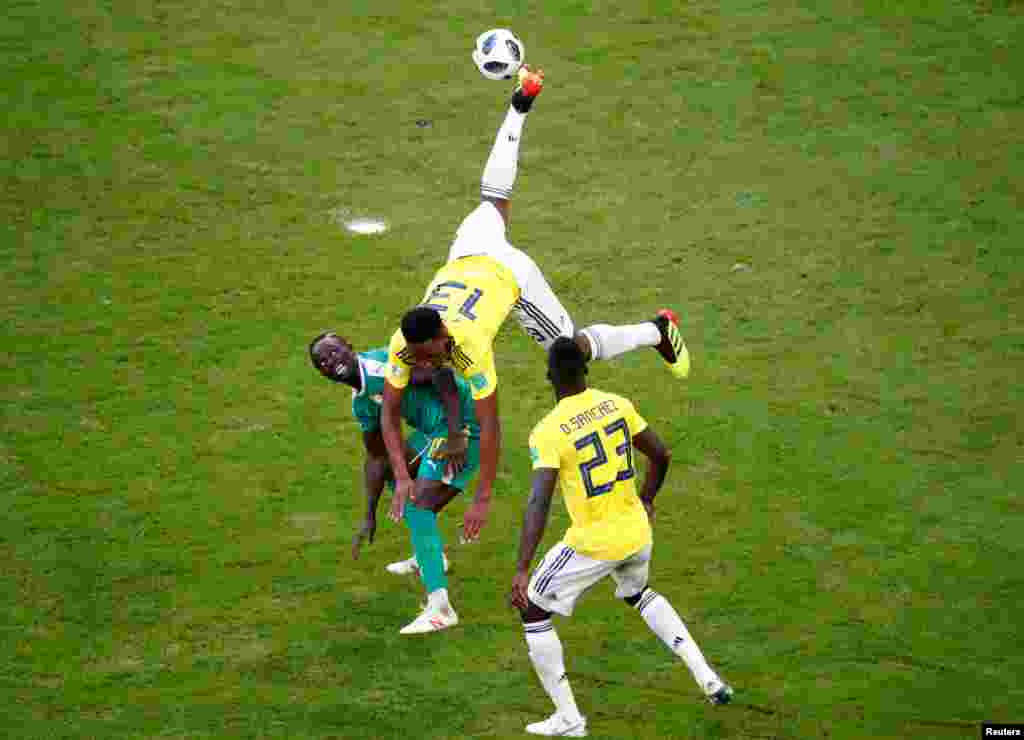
column 498, row 54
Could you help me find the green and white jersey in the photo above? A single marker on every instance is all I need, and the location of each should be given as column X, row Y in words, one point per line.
column 421, row 406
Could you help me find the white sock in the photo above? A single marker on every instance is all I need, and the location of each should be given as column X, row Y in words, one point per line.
column 666, row 624
column 608, row 341
column 546, row 656
column 438, row 599
column 500, row 170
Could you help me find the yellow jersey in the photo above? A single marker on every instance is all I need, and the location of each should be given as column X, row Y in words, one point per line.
column 588, row 438
column 474, row 295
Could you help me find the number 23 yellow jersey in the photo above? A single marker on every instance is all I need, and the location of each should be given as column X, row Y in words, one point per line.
column 588, row 438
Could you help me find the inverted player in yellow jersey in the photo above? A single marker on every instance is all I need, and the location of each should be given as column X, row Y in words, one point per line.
column 485, row 280
column 586, row 445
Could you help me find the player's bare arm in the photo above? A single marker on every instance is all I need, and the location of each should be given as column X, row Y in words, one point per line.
column 391, row 430
column 456, row 447
column 490, row 448
column 542, row 488
column 659, row 457
column 376, row 470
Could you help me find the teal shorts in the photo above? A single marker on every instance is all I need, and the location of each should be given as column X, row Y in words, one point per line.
column 431, row 469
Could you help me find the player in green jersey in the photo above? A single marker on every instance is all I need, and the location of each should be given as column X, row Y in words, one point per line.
column 445, row 447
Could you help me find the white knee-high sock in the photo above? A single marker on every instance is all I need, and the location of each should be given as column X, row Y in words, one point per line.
column 667, row 625
column 547, row 658
column 439, row 598
column 500, row 170
column 608, row 341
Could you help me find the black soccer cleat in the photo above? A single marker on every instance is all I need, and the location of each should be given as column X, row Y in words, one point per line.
column 722, row 695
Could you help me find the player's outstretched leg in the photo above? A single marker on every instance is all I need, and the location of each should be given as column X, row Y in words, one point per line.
column 426, row 538
column 662, row 333
column 545, row 319
column 549, row 663
column 503, row 162
column 665, row 622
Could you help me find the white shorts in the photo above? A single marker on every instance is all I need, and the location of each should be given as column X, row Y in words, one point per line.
column 563, row 575
column 538, row 310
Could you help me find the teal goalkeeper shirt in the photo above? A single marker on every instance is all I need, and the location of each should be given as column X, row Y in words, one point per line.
column 421, row 406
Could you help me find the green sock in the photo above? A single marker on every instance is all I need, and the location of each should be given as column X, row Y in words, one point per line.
column 426, row 541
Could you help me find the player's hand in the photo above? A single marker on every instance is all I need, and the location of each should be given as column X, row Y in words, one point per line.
column 403, row 493
column 649, row 508
column 365, row 534
column 474, row 519
column 455, row 449
column 518, row 597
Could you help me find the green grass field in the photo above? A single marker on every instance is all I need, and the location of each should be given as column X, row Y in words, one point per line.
column 831, row 194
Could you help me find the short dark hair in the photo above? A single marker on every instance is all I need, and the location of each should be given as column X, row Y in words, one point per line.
column 566, row 361
column 421, row 324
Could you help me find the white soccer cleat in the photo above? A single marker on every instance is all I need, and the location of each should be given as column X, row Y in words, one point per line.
column 432, row 619
column 410, row 566
column 403, row 567
column 558, row 725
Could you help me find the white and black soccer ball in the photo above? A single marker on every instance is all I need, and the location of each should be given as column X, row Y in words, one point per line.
column 498, row 54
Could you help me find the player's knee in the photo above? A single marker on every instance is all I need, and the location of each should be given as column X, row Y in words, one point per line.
column 444, row 495
column 427, row 493
column 635, row 598
column 583, row 342
column 533, row 613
